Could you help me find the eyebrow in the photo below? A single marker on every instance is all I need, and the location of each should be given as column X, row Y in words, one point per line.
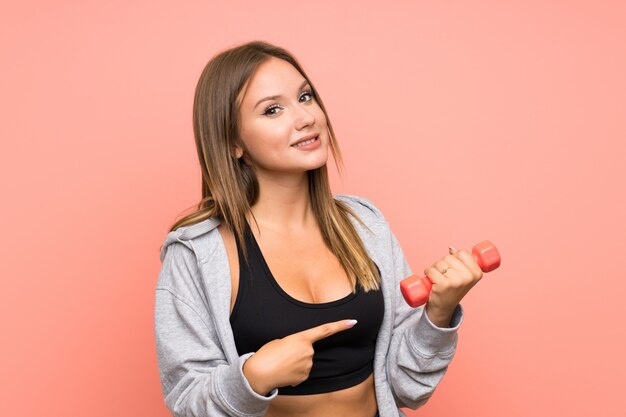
column 277, row 96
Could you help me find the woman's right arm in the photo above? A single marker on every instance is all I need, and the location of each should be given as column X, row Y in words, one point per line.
column 196, row 378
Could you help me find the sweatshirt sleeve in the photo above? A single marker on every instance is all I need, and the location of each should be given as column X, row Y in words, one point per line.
column 420, row 352
column 196, row 378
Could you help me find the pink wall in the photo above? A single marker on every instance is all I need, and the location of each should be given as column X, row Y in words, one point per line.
column 462, row 121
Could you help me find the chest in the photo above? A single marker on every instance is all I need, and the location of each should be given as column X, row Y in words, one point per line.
column 266, row 309
column 302, row 266
column 305, row 268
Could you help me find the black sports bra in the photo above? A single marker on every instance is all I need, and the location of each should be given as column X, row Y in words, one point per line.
column 264, row 312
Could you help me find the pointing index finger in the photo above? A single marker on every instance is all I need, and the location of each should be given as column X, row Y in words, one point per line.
column 328, row 329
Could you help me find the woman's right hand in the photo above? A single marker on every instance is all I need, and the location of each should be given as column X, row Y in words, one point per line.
column 288, row 361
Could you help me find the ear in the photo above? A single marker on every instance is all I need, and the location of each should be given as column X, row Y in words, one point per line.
column 238, row 151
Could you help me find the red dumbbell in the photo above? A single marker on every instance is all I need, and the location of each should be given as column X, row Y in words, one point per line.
column 416, row 290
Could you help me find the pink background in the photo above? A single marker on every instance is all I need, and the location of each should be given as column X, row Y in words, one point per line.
column 462, row 121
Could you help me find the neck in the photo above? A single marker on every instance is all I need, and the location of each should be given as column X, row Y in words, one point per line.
column 283, row 203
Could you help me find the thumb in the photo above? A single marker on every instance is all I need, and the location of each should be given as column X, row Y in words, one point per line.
column 327, row 329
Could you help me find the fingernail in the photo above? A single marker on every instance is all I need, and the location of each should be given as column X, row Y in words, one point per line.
column 452, row 249
column 350, row 323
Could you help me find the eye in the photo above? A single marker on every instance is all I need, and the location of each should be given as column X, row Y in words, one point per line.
column 307, row 93
column 269, row 109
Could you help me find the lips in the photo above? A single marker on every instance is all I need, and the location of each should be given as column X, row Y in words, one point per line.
column 305, row 138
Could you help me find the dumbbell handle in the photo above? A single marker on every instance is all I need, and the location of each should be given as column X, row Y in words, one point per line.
column 416, row 289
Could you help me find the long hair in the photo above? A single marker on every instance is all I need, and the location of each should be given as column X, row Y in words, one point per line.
column 230, row 186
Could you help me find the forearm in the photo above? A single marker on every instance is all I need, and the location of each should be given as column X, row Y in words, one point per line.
column 419, row 355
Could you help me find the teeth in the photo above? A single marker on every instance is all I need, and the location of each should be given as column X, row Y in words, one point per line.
column 306, row 142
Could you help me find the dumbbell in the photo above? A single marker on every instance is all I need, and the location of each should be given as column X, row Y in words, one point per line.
column 416, row 289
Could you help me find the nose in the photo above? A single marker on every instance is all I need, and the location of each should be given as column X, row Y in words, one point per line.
column 304, row 117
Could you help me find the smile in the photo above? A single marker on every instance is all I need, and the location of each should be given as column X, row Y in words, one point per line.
column 306, row 142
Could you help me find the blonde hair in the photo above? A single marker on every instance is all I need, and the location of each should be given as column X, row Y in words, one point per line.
column 230, row 186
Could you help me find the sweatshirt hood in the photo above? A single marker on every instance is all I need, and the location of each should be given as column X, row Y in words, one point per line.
column 184, row 234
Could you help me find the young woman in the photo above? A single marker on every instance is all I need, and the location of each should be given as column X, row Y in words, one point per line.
column 275, row 297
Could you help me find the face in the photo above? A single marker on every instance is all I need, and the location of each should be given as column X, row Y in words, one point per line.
column 271, row 128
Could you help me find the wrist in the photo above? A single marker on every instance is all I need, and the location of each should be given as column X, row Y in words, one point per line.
column 255, row 380
column 439, row 317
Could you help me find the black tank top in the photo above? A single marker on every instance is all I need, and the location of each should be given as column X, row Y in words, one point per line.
column 264, row 312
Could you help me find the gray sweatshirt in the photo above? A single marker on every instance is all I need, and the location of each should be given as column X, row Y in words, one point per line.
column 200, row 369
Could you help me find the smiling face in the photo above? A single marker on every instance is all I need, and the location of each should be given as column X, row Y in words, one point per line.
column 270, row 127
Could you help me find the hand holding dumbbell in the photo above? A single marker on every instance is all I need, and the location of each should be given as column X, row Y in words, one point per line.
column 417, row 289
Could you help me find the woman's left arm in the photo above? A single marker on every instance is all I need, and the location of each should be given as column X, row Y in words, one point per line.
column 420, row 351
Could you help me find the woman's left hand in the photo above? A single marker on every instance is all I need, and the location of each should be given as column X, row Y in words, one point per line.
column 460, row 274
